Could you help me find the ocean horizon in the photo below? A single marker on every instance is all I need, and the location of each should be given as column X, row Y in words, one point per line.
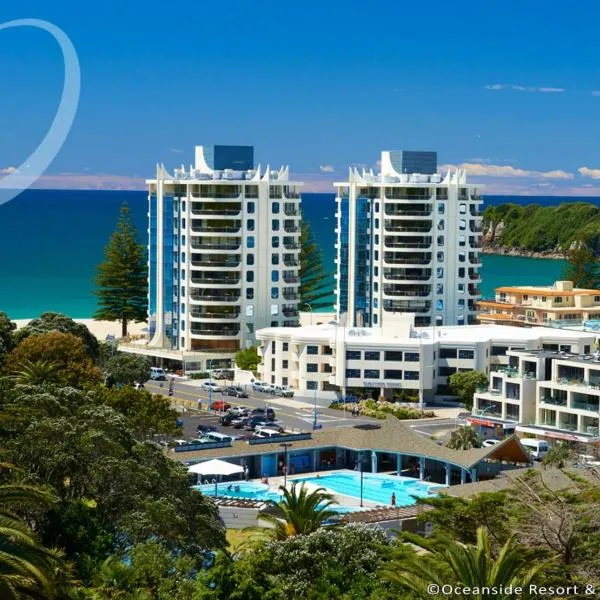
column 52, row 240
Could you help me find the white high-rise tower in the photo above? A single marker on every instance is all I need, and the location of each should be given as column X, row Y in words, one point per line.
column 408, row 240
column 223, row 252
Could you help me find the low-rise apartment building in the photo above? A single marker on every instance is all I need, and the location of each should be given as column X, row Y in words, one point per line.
column 528, row 305
column 329, row 359
column 550, row 393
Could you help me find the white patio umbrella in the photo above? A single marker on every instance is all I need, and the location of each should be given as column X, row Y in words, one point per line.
column 215, row 467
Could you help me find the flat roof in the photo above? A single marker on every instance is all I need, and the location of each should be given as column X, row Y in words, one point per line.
column 548, row 291
column 393, row 437
column 584, row 359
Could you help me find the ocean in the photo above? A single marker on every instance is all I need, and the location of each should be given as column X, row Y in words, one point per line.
column 52, row 240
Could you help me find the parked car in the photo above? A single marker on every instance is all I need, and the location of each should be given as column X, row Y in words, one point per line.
column 261, row 386
column 270, row 427
column 239, row 423
column 490, row 442
column 227, row 419
column 269, row 414
column 537, row 448
column 253, row 422
column 203, row 428
column 240, row 411
column 220, row 405
column 158, row 374
column 236, row 391
column 282, row 390
column 179, row 422
column 211, row 386
column 223, row 374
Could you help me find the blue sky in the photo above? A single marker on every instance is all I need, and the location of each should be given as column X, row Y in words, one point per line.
column 511, row 89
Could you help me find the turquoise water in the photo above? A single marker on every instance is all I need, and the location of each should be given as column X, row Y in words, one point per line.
column 52, row 240
column 249, row 490
column 376, row 488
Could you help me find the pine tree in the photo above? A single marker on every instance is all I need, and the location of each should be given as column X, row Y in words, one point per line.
column 315, row 284
column 121, row 280
column 582, row 267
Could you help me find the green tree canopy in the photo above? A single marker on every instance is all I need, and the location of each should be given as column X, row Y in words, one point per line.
column 582, row 267
column 464, row 384
column 65, row 351
column 315, row 283
column 7, row 328
column 121, row 280
column 50, row 321
column 247, row 359
column 126, row 369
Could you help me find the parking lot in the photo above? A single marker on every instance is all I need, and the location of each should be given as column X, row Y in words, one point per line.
column 294, row 416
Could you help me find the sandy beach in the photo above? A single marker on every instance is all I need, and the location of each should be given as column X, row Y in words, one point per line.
column 100, row 328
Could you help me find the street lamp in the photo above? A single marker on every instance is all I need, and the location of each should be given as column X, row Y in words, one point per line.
column 311, row 311
column 315, row 413
column 209, row 365
column 285, row 446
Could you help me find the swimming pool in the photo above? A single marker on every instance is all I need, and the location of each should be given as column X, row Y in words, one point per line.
column 376, row 488
column 248, row 490
column 253, row 490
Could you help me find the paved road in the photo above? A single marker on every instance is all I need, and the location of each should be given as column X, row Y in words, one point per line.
column 290, row 413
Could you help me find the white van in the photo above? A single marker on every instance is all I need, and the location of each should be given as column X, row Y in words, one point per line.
column 158, row 374
column 264, row 432
column 216, row 436
column 537, row 448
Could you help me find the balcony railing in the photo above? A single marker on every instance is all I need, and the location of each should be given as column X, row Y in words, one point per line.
column 208, row 245
column 213, row 297
column 554, row 400
column 216, row 263
column 390, row 227
column 290, row 261
column 216, row 229
column 407, row 259
column 291, row 246
column 290, row 278
column 217, row 332
column 400, row 275
column 291, row 212
column 395, row 211
column 406, row 293
column 196, row 314
column 291, row 228
column 418, row 307
column 291, row 295
column 215, row 280
column 590, row 406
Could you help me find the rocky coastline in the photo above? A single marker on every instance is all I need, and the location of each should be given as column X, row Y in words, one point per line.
column 506, row 251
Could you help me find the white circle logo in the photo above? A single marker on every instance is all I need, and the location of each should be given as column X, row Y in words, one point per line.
column 24, row 176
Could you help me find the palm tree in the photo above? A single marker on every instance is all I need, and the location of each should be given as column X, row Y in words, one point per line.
column 36, row 372
column 299, row 512
column 27, row 569
column 447, row 561
column 464, row 438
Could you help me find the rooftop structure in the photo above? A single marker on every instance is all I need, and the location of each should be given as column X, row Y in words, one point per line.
column 408, row 240
column 558, row 304
column 223, row 249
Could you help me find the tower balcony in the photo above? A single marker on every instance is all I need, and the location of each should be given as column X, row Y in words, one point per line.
column 407, row 194
column 291, row 277
column 214, row 296
column 475, row 242
column 222, row 192
column 214, row 330
column 290, row 260
column 291, row 210
column 216, row 261
column 290, row 243
column 219, row 244
column 401, row 242
column 291, row 227
column 419, row 306
column 212, row 226
column 214, row 278
column 407, row 291
column 474, row 258
column 289, row 310
column 220, row 313
column 291, row 294
column 217, row 209
column 411, row 227
column 414, row 211
column 407, row 274
column 402, row 258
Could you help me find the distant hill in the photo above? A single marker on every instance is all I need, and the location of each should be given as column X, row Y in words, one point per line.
column 545, row 231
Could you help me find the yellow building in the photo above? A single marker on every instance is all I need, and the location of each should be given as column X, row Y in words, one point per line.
column 528, row 305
